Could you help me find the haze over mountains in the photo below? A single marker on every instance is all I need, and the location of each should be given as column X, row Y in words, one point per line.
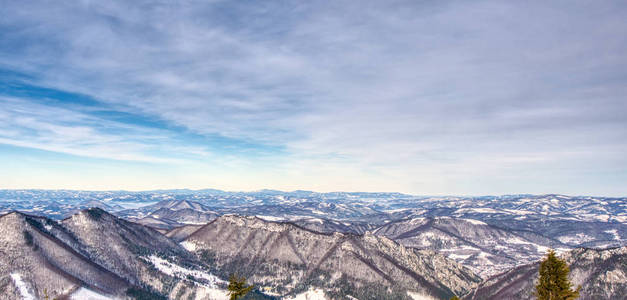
column 182, row 244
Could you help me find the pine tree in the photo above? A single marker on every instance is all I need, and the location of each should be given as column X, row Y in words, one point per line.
column 237, row 287
column 455, row 298
column 553, row 283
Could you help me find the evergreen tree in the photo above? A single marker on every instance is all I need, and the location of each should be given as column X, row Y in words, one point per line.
column 455, row 298
column 553, row 283
column 237, row 287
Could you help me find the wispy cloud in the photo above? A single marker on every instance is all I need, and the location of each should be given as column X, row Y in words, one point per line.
column 404, row 95
column 32, row 125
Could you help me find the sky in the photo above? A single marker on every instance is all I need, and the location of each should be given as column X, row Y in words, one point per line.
column 420, row 97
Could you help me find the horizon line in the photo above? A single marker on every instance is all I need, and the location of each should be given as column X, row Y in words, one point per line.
column 310, row 191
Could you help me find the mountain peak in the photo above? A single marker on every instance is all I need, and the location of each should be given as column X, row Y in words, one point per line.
column 12, row 213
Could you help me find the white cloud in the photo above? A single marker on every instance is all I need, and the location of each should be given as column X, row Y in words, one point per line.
column 26, row 124
column 402, row 95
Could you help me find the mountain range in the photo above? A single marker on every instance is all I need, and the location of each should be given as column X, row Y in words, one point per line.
column 184, row 244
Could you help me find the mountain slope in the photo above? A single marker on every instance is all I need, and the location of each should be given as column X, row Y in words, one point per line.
column 37, row 263
column 330, row 226
column 601, row 273
column 133, row 251
column 485, row 248
column 179, row 234
column 288, row 259
column 96, row 252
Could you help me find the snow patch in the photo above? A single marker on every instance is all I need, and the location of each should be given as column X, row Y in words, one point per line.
column 85, row 294
column 615, row 276
column 175, row 270
column 542, row 249
column 614, row 232
column 578, row 238
column 519, row 211
column 416, row 221
column 604, row 218
column 418, row 296
column 311, row 294
column 458, row 257
column 395, row 210
column 316, row 220
column 134, row 205
column 474, row 222
column 270, row 291
column 516, row 240
column 21, row 286
column 189, row 246
column 483, row 210
column 270, row 218
column 211, row 293
column 483, row 255
column 621, row 219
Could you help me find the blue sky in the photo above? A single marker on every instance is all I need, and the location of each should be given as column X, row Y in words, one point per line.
column 422, row 97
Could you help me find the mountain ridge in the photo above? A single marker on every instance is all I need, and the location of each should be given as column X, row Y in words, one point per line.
column 244, row 242
column 101, row 252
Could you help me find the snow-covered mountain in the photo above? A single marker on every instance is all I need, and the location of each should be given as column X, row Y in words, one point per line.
column 489, row 234
column 371, row 207
column 35, row 262
column 286, row 260
column 487, row 240
column 594, row 222
column 486, row 249
column 601, row 273
column 98, row 253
